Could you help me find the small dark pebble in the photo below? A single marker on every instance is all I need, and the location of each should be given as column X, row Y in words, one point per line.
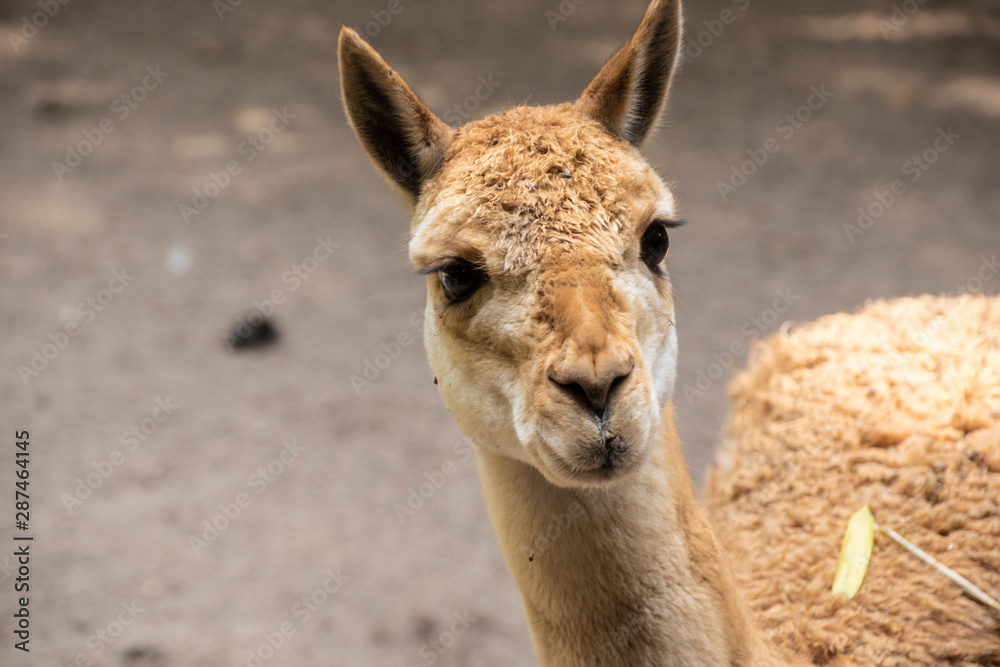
column 435, row 380
column 424, row 626
column 52, row 110
column 143, row 656
column 251, row 333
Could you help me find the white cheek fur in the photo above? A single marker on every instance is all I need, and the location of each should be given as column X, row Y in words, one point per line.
column 659, row 346
column 663, row 366
column 496, row 416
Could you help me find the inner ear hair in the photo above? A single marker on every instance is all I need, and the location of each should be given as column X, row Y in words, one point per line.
column 629, row 93
column 403, row 137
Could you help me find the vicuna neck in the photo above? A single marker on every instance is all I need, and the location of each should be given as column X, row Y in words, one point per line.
column 628, row 574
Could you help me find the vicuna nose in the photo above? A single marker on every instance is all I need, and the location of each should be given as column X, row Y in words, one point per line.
column 590, row 377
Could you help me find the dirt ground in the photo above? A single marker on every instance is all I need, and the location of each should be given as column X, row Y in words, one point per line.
column 120, row 121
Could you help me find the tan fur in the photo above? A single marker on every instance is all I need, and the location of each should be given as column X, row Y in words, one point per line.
column 598, row 520
column 566, row 281
column 897, row 406
column 632, row 577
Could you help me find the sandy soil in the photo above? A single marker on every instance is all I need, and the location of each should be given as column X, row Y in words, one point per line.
column 185, row 431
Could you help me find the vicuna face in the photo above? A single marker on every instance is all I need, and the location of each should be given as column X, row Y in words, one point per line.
column 549, row 320
column 542, row 233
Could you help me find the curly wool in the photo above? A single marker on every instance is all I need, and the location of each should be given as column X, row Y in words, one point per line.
column 897, row 406
column 536, row 181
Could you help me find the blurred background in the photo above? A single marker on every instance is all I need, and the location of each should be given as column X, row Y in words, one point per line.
column 171, row 171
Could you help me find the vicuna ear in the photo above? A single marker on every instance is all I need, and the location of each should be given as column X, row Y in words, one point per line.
column 630, row 91
column 402, row 136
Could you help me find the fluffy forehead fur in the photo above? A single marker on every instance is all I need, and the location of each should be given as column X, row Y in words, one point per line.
column 522, row 187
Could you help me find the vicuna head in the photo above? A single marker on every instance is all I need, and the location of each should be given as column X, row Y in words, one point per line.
column 542, row 233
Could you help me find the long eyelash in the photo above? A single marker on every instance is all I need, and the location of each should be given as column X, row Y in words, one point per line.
column 441, row 265
column 432, row 269
column 669, row 223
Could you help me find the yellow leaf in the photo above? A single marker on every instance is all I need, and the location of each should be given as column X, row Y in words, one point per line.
column 855, row 553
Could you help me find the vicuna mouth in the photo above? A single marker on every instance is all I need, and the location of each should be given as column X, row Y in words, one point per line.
column 605, row 455
column 607, row 461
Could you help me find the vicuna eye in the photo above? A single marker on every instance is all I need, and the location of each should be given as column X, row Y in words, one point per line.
column 460, row 279
column 655, row 244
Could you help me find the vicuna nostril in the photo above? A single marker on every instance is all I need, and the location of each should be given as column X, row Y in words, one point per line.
column 618, row 382
column 578, row 394
column 591, row 392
